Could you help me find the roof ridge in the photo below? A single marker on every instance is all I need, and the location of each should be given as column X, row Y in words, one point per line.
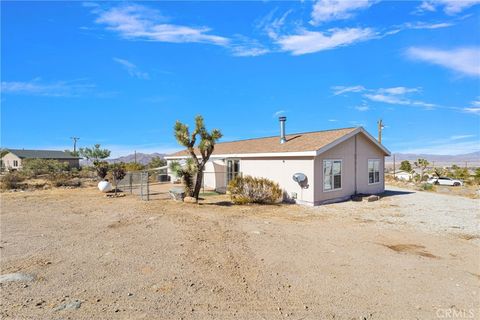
column 289, row 134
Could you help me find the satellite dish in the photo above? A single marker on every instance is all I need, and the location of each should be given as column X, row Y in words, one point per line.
column 301, row 179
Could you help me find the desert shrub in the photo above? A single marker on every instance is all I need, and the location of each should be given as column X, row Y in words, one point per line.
column 101, row 168
column 254, row 190
column 118, row 173
column 186, row 172
column 427, row 187
column 35, row 167
column 64, row 180
column 13, row 180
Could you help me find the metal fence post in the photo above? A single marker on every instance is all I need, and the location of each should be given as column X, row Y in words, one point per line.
column 148, row 187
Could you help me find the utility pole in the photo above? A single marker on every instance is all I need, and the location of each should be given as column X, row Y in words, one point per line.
column 75, row 139
column 135, row 156
column 380, row 127
column 394, row 166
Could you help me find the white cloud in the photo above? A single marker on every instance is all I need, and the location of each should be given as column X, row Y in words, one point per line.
column 475, row 108
column 362, row 108
column 329, row 10
column 461, row 137
column 136, row 22
column 462, row 60
column 398, row 90
column 52, row 89
column 450, row 7
column 426, row 25
column 131, row 68
column 337, row 90
column 332, row 120
column 315, row 41
column 447, row 147
column 397, row 99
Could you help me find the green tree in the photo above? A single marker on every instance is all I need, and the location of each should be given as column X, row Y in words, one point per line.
column 202, row 152
column 405, row 165
column 72, row 153
column 94, row 154
column 422, row 164
column 157, row 162
column 461, row 173
column 477, row 175
column 35, row 167
column 134, row 166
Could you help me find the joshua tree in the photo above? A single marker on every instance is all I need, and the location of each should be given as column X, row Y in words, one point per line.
column 94, row 154
column 201, row 154
column 186, row 173
column 422, row 164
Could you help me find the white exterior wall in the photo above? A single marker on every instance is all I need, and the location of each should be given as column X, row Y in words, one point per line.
column 8, row 161
column 215, row 175
column 345, row 151
column 281, row 170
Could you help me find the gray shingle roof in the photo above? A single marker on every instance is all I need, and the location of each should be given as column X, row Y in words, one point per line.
column 41, row 154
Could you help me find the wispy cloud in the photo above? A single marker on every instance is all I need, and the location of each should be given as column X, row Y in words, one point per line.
column 362, row 108
column 131, row 68
column 37, row 87
column 137, row 22
column 337, row 90
column 462, row 136
column 463, row 60
column 447, row 146
column 450, row 7
column 398, row 100
column 314, row 41
column 332, row 120
column 474, row 108
column 329, row 10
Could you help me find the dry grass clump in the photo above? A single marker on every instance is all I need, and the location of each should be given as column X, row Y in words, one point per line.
column 248, row 189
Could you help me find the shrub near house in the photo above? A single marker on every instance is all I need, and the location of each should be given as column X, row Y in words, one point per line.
column 254, row 190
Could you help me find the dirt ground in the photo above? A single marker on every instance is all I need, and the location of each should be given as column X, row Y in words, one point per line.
column 129, row 259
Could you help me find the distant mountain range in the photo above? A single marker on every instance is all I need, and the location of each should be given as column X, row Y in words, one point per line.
column 458, row 159
column 143, row 158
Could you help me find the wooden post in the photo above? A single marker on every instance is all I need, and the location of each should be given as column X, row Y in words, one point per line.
column 380, row 127
column 394, row 166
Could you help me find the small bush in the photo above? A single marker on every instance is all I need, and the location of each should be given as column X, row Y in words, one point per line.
column 254, row 190
column 427, row 187
column 64, row 180
column 35, row 167
column 13, row 180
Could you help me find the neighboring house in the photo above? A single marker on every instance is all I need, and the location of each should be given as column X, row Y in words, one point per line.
column 14, row 158
column 403, row 175
column 337, row 163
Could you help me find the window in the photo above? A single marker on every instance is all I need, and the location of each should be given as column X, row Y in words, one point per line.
column 373, row 171
column 15, row 163
column 332, row 175
column 233, row 169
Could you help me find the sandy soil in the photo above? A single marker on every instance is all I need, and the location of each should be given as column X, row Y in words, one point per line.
column 128, row 259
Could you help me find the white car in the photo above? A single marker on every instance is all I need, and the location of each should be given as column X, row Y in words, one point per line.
column 444, row 181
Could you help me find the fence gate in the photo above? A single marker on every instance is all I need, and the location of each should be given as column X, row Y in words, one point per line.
column 146, row 184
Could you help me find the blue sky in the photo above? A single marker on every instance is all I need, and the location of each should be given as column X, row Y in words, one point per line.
column 121, row 73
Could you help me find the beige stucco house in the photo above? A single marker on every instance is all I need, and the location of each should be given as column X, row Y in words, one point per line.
column 14, row 158
column 337, row 163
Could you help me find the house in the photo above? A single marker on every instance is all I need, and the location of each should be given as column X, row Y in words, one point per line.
column 335, row 164
column 403, row 175
column 13, row 159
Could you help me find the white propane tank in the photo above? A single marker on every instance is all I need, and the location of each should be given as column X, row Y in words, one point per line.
column 104, row 186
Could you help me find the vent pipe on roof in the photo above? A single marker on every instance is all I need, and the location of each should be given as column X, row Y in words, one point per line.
column 282, row 129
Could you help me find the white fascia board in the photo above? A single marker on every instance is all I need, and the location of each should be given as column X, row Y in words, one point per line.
column 254, row 155
column 348, row 136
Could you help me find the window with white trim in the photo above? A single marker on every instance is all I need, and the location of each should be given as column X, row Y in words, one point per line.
column 373, row 171
column 332, row 175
